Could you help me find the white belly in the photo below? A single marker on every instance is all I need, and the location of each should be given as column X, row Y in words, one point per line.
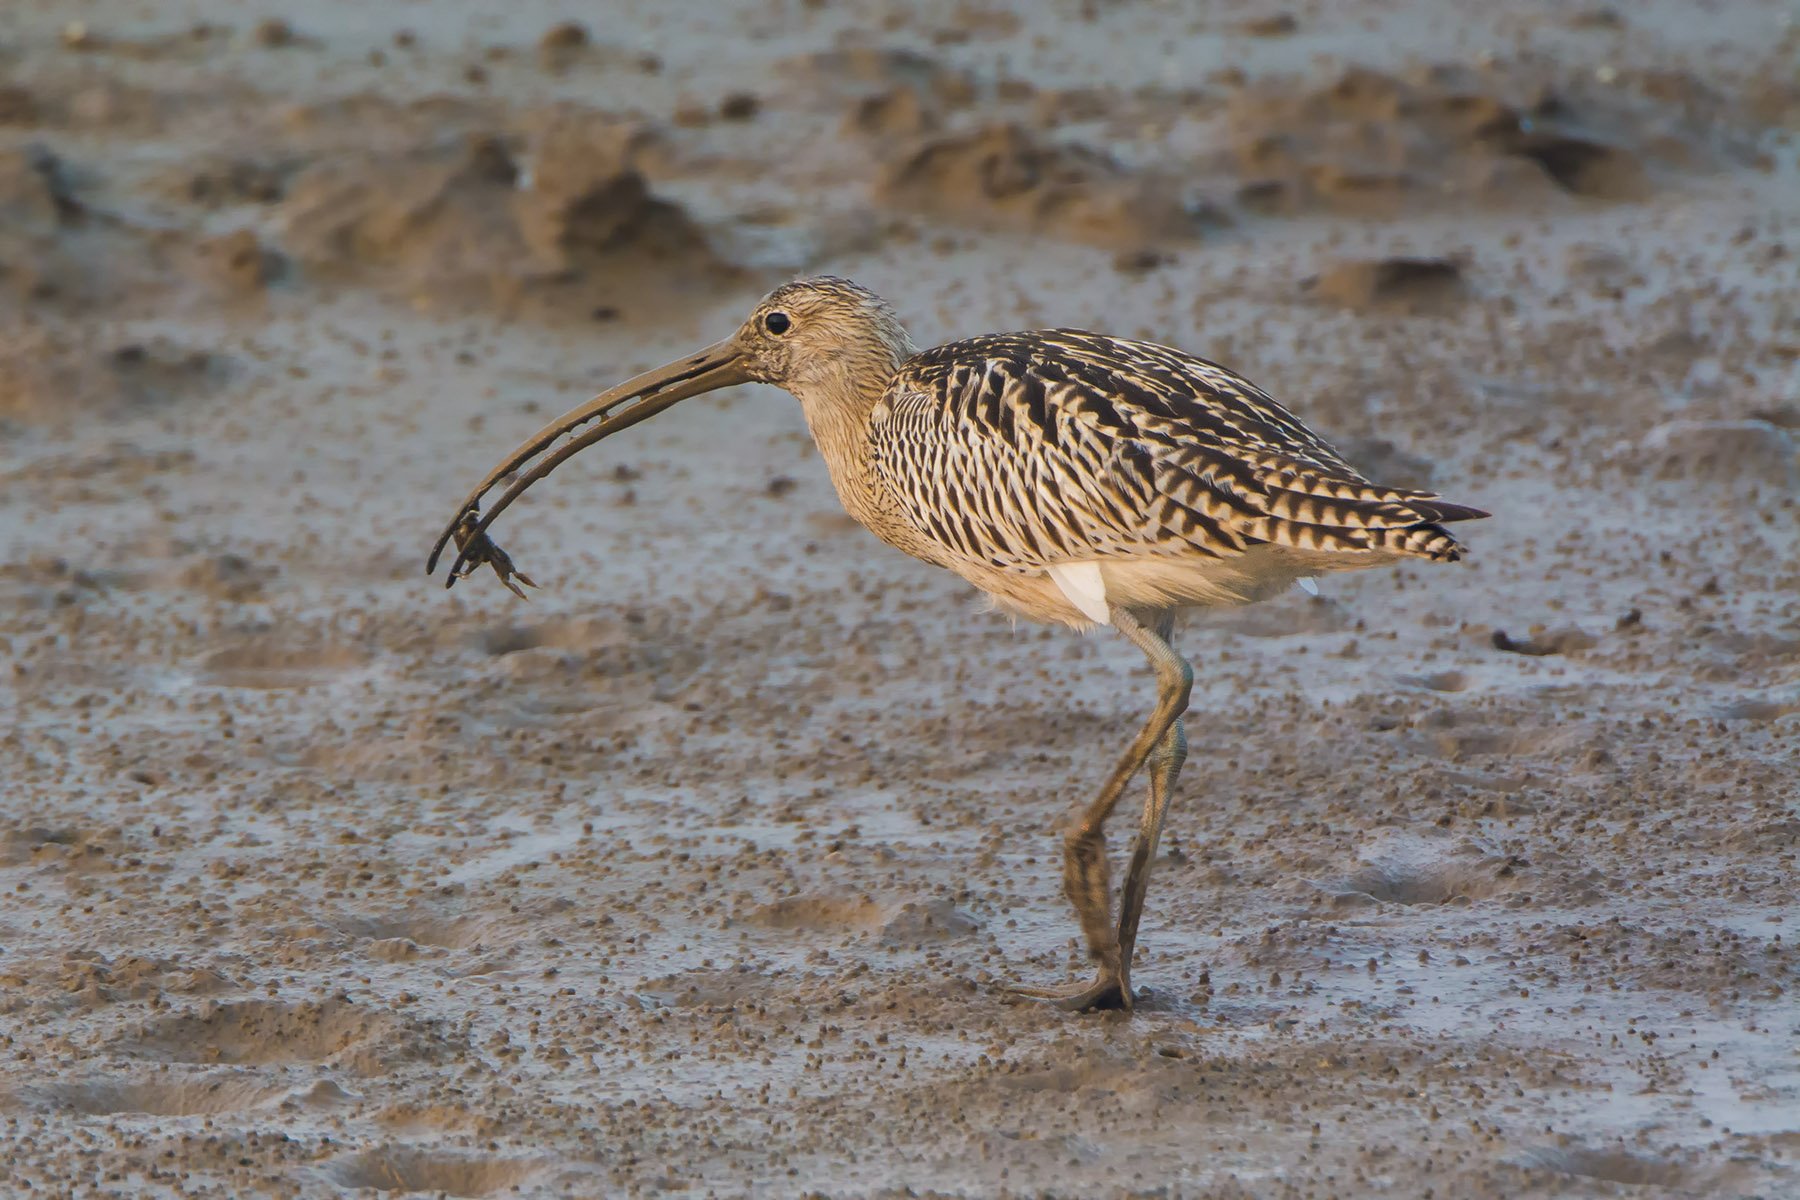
column 1078, row 593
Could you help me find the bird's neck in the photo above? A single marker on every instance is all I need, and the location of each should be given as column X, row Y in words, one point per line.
column 838, row 392
column 837, row 395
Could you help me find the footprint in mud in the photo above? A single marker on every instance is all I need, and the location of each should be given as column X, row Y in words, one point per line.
column 324, row 1096
column 1453, row 736
column 92, row 979
column 272, row 667
column 398, row 938
column 1403, row 869
column 224, row 577
column 907, row 922
column 1441, row 681
column 201, row 1095
column 916, row 922
column 1405, row 285
column 39, row 844
column 853, row 913
column 1757, row 710
column 692, row 989
column 1613, row 1166
column 410, row 1169
column 1003, row 175
column 430, row 1118
column 256, row 1032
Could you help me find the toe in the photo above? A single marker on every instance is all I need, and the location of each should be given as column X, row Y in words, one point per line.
column 1105, row 993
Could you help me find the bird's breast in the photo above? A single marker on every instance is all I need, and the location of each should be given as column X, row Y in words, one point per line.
column 846, row 441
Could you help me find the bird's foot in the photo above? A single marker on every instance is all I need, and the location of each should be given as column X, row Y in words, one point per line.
column 478, row 549
column 1108, row 991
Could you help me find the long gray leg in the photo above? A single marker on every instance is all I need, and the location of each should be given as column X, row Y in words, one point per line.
column 1086, row 879
column 1164, row 767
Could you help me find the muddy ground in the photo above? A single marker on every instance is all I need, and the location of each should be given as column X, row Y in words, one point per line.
column 707, row 871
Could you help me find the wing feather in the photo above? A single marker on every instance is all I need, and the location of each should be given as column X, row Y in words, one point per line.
column 1032, row 450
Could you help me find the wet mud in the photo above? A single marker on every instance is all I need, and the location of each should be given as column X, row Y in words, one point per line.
column 711, row 869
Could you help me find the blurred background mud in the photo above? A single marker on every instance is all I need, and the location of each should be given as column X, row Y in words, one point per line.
column 704, row 873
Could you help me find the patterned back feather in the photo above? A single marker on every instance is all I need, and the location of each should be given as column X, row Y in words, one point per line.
column 1026, row 450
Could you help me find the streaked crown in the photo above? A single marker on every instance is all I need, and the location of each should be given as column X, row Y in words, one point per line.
column 813, row 335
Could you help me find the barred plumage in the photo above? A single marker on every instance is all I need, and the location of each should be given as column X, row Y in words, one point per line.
column 1023, row 451
column 1073, row 477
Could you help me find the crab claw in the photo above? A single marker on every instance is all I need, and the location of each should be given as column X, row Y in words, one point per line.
column 477, row 548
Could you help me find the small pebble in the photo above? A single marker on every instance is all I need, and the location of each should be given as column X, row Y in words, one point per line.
column 1279, row 25
column 565, row 35
column 273, row 33
column 739, row 106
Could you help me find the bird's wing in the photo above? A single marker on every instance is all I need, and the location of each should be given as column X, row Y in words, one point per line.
column 1031, row 450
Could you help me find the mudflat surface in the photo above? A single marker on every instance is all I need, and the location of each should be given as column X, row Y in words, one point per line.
column 707, row 871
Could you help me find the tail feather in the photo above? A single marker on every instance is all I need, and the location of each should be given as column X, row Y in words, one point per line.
column 1423, row 541
column 1433, row 509
column 1429, row 539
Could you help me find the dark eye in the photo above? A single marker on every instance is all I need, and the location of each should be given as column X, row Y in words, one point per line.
column 777, row 323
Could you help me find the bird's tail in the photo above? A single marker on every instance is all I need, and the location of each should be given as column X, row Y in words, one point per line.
column 1429, row 539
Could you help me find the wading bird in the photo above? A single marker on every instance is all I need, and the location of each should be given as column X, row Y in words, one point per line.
column 1074, row 478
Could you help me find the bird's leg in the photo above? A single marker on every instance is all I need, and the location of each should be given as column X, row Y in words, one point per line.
column 1085, row 875
column 1164, row 767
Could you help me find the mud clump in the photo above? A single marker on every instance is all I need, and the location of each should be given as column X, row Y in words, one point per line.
column 1578, row 166
column 908, row 923
column 252, row 1032
column 1373, row 144
column 408, row 1169
column 273, row 33
column 1410, row 883
column 18, row 107
column 898, row 112
column 1409, row 285
column 235, row 263
column 416, row 930
column 36, row 206
column 912, row 95
column 859, row 69
column 1003, row 176
column 1274, row 26
column 204, row 1095
column 34, row 191
column 1733, row 452
column 431, row 219
column 562, row 46
column 917, row 922
column 1545, row 643
column 226, row 181
column 61, row 258
column 264, row 666
column 229, row 577
column 818, row 912
column 51, row 374
column 1785, row 415
column 462, row 227
column 1616, row 1166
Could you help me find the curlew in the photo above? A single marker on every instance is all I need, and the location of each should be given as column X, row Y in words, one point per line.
column 1074, row 478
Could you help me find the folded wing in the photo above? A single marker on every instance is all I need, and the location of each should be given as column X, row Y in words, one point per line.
column 1027, row 451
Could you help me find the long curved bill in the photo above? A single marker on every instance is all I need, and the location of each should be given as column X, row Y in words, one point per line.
column 636, row 400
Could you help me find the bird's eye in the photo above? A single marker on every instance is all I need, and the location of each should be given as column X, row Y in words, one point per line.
column 777, row 323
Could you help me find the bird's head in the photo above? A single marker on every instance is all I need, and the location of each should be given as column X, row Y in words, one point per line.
column 827, row 340
column 815, row 332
